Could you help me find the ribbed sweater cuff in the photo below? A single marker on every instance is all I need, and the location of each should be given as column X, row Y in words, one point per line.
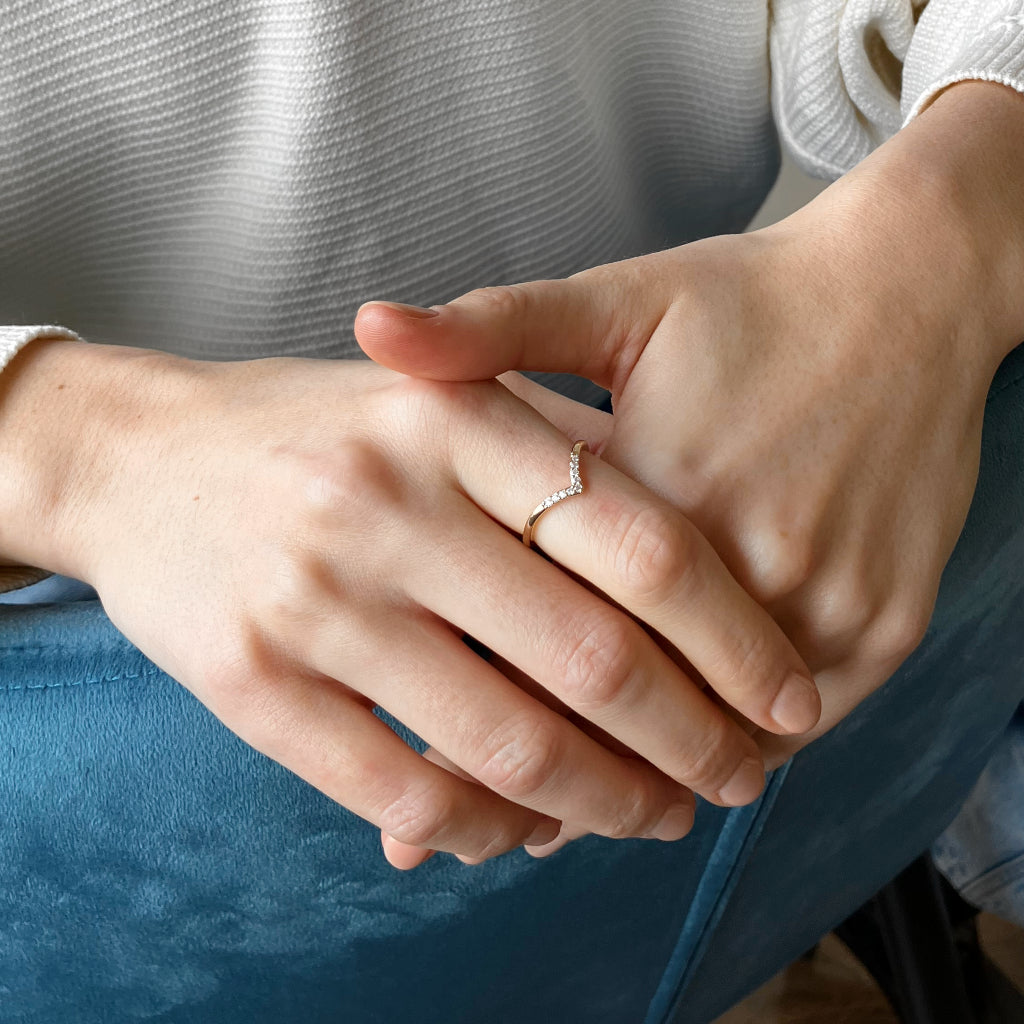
column 985, row 43
column 12, row 340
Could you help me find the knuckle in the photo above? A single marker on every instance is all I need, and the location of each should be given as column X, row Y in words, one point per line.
column 635, row 817
column 438, row 409
column 622, row 827
column 519, row 759
column 782, row 568
column 504, row 302
column 295, row 587
column 708, row 763
column 418, row 816
column 347, row 482
column 654, row 555
column 497, row 841
column 254, row 714
column 899, row 631
column 238, row 686
column 750, row 666
column 597, row 662
column 844, row 611
column 343, row 506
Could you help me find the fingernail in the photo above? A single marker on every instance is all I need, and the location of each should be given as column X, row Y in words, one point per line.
column 470, row 861
column 417, row 312
column 745, row 785
column 675, row 823
column 546, row 832
column 797, row 708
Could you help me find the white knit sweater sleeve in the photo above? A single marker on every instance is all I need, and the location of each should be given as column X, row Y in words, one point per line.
column 12, row 340
column 848, row 74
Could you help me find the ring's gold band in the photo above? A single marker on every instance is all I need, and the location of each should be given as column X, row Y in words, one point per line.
column 575, row 487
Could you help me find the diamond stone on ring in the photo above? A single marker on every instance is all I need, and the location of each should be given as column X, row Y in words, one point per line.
column 575, row 487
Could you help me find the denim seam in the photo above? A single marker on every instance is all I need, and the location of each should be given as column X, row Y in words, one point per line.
column 990, row 883
column 81, row 682
column 740, row 831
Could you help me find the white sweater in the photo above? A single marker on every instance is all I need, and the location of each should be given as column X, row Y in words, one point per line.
column 231, row 178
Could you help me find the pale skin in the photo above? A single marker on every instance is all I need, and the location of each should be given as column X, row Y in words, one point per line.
column 810, row 396
column 292, row 583
column 297, row 541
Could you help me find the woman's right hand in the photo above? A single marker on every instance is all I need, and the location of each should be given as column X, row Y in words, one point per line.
column 299, row 541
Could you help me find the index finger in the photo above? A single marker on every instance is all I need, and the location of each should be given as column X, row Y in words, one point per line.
column 653, row 561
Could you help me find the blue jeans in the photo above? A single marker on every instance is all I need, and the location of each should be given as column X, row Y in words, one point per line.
column 158, row 869
column 982, row 851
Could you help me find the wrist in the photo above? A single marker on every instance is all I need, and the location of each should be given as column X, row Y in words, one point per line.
column 69, row 414
column 928, row 232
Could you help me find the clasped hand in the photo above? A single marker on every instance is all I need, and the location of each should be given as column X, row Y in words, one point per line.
column 810, row 397
column 314, row 539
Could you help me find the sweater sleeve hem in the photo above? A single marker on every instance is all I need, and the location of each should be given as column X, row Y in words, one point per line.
column 847, row 76
column 1015, row 82
column 14, row 339
column 960, row 42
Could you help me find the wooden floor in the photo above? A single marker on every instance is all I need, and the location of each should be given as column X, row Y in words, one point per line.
column 835, row 989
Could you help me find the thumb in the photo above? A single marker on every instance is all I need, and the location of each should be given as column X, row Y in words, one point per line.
column 594, row 324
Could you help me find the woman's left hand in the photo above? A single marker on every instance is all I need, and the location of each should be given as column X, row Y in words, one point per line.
column 810, row 395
